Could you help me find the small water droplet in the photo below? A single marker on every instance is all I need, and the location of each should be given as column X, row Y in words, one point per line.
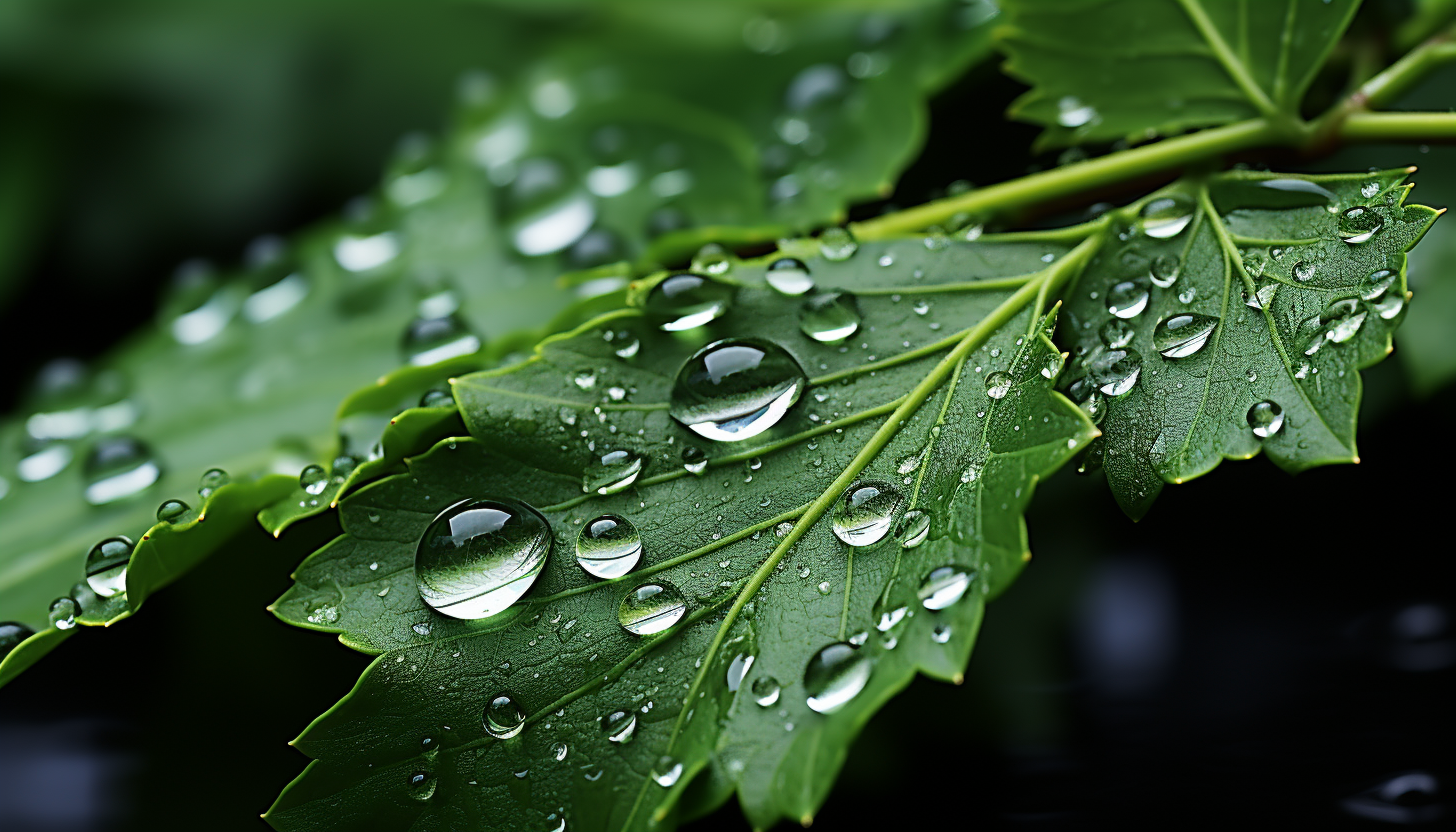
column 1303, row 271
column 62, row 613
column 1359, row 224
column 789, row 276
column 1166, row 216
column 651, row 608
column 944, row 586
column 1164, row 271
column 1342, row 320
column 837, row 244
column 211, row 481
column 865, row 511
column 480, row 556
column 667, row 771
column 765, row 691
column 559, row 751
column 1377, row 283
column 694, row 460
column 1128, row 298
column 941, row 633
column 829, row 317
column 998, row 384
column 712, row 259
column 612, row 472
column 735, row 389
column 1266, row 418
column 1115, row 372
column 1071, row 112
column 620, row 726
column 737, row 669
column 422, row 785
column 914, row 528
column 171, row 510
column 314, row 480
column 1183, row 335
column 503, row 718
column 834, row 676
column 1116, row 333
column 687, row 301
column 119, row 467
column 1389, row 306
column 608, row 547
column 106, row 566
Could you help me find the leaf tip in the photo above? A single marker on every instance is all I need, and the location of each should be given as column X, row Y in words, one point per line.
column 806, row 821
column 958, row 679
column 1026, row 557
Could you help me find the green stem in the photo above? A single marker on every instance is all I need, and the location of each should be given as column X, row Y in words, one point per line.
column 1397, row 79
column 1399, row 127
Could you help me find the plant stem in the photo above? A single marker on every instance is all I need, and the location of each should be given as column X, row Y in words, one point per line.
column 1399, row 127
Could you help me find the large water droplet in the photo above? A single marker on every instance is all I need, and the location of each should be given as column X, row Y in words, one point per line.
column 212, row 480
column 737, row 669
column 864, row 513
column 1115, row 372
column 106, row 566
column 914, row 528
column 608, row 547
column 612, row 472
column 62, row 612
column 1266, row 418
column 313, row 479
column 1389, row 306
column 170, row 511
column 765, row 690
column 829, row 317
column 1342, row 320
column 1359, row 224
column 1166, row 216
column 119, row 467
column 735, row 389
column 651, row 608
column 503, row 717
column 11, row 634
column 1377, row 283
column 789, row 276
column 1128, row 298
column 944, row 586
column 998, row 384
column 667, row 771
column 837, row 244
column 479, row 556
column 1183, row 335
column 834, row 676
column 1303, row 271
column 619, row 726
column 429, row 341
column 421, row 785
column 687, row 301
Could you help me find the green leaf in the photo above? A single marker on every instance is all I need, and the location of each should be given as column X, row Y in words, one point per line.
column 1139, row 69
column 1287, row 307
column 748, row 542
column 1426, row 343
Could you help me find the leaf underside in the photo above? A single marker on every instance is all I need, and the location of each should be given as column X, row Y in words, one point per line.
column 1104, row 70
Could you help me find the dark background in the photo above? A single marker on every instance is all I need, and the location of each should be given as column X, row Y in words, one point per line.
column 1260, row 648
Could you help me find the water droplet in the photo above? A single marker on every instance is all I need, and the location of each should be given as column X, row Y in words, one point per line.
column 612, row 472
column 944, row 586
column 789, row 276
column 864, row 513
column 765, row 691
column 1359, row 224
column 1183, row 335
column 667, row 771
column 106, row 566
column 62, row 613
column 429, row 341
column 1263, row 296
column 1166, row 216
column 1116, row 333
column 1164, row 271
column 837, row 244
column 211, row 481
column 941, row 633
column 119, row 467
column 998, row 384
column 712, row 259
column 1377, row 283
column 735, row 389
column 619, row 726
column 1071, row 112
column 1342, row 320
column 171, row 510
column 914, row 528
column 834, row 676
column 1389, row 306
column 12, row 633
column 313, row 479
column 651, row 608
column 437, row 397
column 1303, row 271
column 829, row 317
column 1128, row 298
column 480, row 556
column 1115, row 372
column 608, row 547
column 687, row 301
column 559, row 751
column 694, row 460
column 422, row 785
column 1266, row 418
column 503, row 717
